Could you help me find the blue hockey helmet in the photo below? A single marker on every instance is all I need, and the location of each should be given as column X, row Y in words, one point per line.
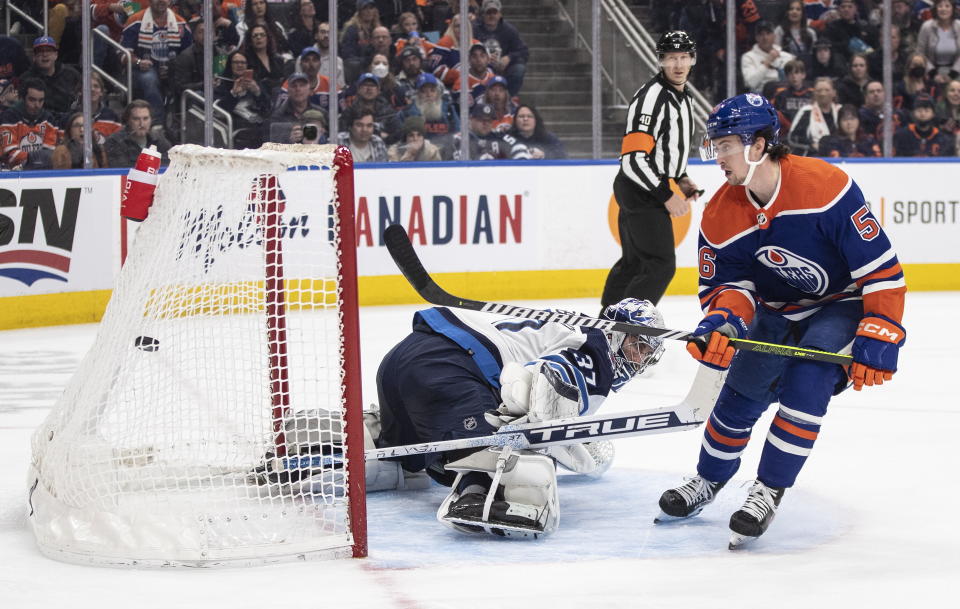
column 742, row 115
column 633, row 353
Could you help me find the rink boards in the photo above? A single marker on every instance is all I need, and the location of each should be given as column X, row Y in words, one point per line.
column 504, row 230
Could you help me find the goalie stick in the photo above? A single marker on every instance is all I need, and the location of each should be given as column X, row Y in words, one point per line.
column 560, row 432
column 401, row 250
column 688, row 414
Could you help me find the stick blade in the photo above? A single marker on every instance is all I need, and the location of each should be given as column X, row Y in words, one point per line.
column 401, row 250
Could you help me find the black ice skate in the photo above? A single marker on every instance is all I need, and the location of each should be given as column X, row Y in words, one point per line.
column 752, row 520
column 687, row 500
column 504, row 519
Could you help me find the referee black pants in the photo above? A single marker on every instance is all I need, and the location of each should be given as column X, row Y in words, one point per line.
column 648, row 260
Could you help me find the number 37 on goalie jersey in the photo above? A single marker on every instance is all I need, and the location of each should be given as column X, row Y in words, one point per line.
column 581, row 357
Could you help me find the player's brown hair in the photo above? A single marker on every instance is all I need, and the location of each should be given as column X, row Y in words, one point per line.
column 776, row 151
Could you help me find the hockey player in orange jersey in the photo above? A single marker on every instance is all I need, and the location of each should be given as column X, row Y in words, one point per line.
column 788, row 253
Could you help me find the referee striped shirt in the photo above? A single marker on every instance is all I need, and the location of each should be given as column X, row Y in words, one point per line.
column 656, row 144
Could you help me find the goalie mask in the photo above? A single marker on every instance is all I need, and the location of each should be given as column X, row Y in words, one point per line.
column 633, row 354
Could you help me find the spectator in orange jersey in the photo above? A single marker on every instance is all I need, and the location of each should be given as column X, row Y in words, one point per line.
column 849, row 141
column 922, row 137
column 28, row 133
column 479, row 74
column 446, row 54
column 426, row 48
column 497, row 96
column 451, row 37
column 309, row 64
column 69, row 154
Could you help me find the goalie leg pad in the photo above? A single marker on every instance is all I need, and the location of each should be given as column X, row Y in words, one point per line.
column 520, row 498
column 381, row 475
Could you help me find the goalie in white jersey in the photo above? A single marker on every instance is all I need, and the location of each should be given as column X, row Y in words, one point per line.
column 461, row 374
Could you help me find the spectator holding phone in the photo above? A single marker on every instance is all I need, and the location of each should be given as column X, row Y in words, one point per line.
column 260, row 49
column 248, row 103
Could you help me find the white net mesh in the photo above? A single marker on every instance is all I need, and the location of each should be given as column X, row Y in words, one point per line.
column 221, row 348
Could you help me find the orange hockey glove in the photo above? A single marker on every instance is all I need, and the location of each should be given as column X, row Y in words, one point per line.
column 875, row 349
column 710, row 342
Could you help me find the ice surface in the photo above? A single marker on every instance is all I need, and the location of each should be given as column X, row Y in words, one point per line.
column 869, row 524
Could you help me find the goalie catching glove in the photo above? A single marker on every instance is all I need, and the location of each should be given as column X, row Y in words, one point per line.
column 534, row 392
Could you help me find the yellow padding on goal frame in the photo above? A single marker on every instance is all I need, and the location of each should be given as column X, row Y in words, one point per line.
column 237, row 297
column 88, row 307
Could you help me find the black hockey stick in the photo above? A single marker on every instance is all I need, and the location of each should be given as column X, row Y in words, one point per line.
column 401, row 250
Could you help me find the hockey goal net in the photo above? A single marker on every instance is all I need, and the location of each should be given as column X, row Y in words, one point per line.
column 230, row 345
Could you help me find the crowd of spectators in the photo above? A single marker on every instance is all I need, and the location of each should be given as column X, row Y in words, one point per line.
column 820, row 63
column 400, row 76
column 399, row 80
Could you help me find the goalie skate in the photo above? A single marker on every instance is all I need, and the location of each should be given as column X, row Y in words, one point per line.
column 753, row 519
column 503, row 493
column 687, row 500
column 505, row 519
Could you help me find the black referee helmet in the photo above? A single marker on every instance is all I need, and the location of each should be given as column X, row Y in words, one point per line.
column 676, row 41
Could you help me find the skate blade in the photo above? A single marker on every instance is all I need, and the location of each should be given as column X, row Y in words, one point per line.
column 665, row 518
column 500, row 529
column 737, row 541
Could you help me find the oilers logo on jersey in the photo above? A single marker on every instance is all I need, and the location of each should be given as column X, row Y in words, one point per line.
column 795, row 270
column 32, row 141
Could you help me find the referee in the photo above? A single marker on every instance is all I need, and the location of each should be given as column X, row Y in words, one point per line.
column 654, row 154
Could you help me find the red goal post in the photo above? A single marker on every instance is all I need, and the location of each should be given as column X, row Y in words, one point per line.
column 232, row 337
